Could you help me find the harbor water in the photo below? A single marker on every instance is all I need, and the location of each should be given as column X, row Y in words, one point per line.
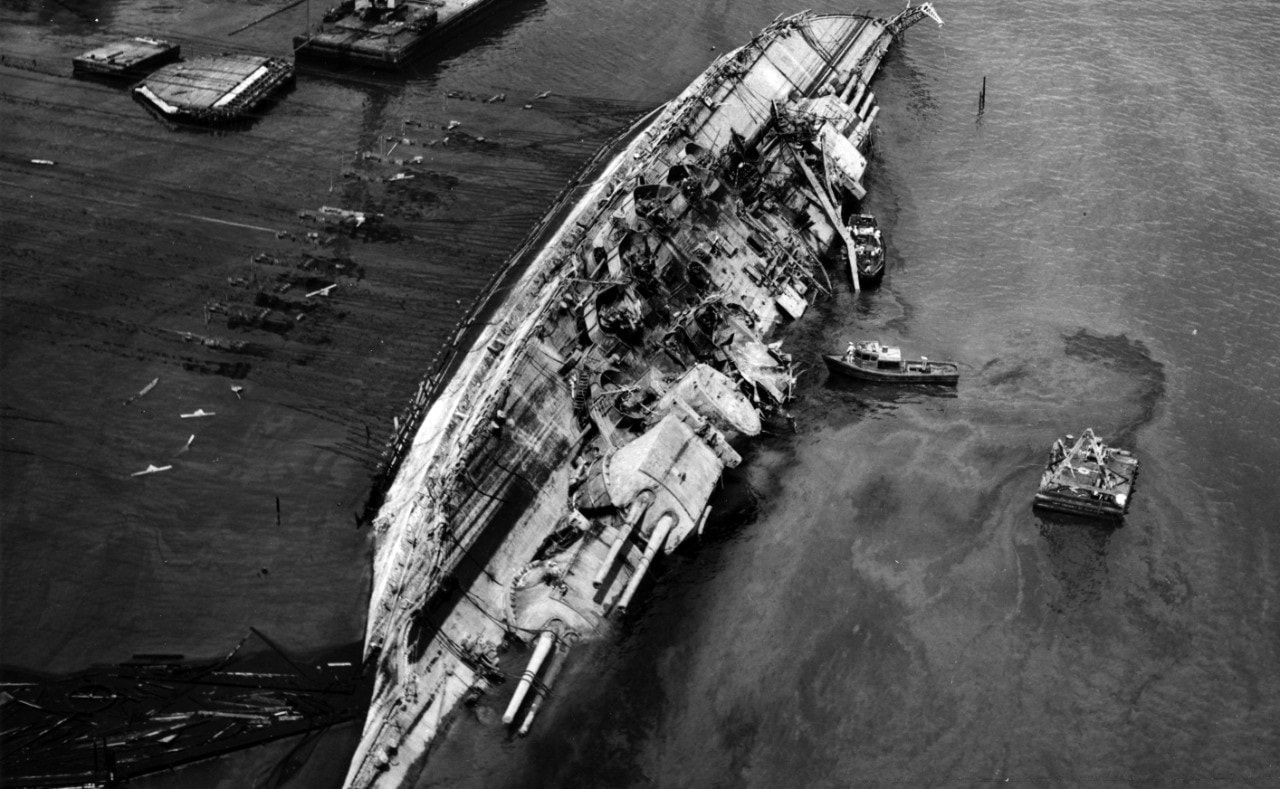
column 874, row 602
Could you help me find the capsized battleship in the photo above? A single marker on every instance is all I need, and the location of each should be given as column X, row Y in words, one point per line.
column 578, row 428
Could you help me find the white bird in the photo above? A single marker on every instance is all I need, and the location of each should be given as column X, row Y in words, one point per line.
column 198, row 413
column 323, row 291
column 237, row 388
column 150, row 469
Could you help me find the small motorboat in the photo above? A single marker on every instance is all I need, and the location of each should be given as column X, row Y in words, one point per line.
column 868, row 360
column 1086, row 477
column 868, row 246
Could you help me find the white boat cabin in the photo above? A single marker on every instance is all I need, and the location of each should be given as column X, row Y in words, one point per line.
column 872, row 354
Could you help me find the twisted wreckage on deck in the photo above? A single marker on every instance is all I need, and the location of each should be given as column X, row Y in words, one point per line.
column 584, row 427
column 1086, row 477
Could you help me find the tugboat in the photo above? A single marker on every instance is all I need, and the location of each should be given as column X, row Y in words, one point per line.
column 1086, row 477
column 868, row 247
column 868, row 360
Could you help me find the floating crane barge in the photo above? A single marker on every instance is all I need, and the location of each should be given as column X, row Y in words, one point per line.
column 580, row 427
column 1086, row 477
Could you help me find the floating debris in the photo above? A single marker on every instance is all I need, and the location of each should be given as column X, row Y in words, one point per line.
column 152, row 469
column 199, row 412
column 143, row 391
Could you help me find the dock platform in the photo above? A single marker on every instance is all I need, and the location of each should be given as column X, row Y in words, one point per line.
column 214, row 89
column 382, row 34
column 131, row 59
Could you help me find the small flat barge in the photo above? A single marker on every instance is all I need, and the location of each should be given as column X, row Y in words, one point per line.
column 384, row 33
column 869, row 360
column 214, row 89
column 125, row 60
column 868, row 247
column 1086, row 477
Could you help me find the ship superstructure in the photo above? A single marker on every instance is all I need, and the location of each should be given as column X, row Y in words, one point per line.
column 582, row 430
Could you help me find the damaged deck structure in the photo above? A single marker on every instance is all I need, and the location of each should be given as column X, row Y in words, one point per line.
column 1088, row 478
column 581, row 429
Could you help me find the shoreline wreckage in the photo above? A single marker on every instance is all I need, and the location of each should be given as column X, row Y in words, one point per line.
column 580, row 420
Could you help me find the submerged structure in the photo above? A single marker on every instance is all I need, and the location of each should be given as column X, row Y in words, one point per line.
column 1086, row 477
column 214, row 88
column 868, row 247
column 385, row 33
column 579, row 423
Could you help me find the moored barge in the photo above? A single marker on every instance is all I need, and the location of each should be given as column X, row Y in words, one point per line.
column 385, row 33
column 575, row 431
column 868, row 246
